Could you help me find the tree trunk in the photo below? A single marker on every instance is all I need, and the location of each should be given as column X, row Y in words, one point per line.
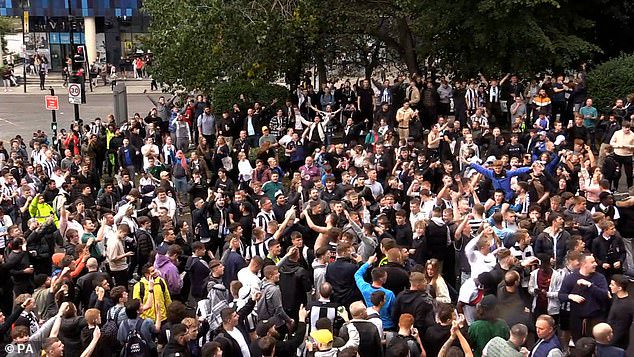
column 408, row 51
column 322, row 72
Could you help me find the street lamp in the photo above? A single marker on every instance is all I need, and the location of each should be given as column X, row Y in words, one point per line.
column 25, row 26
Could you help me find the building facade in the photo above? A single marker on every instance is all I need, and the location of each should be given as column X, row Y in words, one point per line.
column 111, row 30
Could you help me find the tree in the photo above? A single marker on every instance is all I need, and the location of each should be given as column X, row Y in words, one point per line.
column 5, row 28
column 198, row 43
column 611, row 80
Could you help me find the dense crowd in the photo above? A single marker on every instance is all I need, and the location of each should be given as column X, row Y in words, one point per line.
column 410, row 218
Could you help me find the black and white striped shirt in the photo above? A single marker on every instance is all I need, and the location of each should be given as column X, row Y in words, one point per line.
column 320, row 309
column 49, row 167
column 257, row 249
column 263, row 218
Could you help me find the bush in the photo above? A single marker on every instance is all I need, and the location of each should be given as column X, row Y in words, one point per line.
column 225, row 95
column 611, row 80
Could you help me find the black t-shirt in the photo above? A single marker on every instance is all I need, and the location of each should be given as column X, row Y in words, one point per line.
column 435, row 337
column 365, row 96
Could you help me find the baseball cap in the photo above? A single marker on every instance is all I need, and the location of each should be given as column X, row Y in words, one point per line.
column 265, row 128
column 322, row 336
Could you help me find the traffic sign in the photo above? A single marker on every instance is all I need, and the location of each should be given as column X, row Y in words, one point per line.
column 52, row 102
column 74, row 93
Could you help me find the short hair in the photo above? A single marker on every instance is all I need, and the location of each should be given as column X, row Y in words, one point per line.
column 378, row 274
column 394, row 255
column 269, row 270
column 91, row 315
column 19, row 332
column 377, row 297
column 197, row 245
column 511, row 278
column 620, row 280
column 325, row 290
column 48, row 343
column 549, row 319
column 520, row 331
column 226, row 314
column 210, row 349
column 143, row 220
column 174, row 249
column 321, row 251
column 606, row 224
column 124, row 228
column 343, row 248
column 20, row 299
column 132, row 308
column 388, row 243
column 235, row 287
column 267, row 345
column 406, row 321
column 444, row 312
column 116, row 293
column 272, row 243
column 574, row 255
column 177, row 330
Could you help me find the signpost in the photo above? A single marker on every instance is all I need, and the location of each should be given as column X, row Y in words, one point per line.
column 74, row 93
column 52, row 102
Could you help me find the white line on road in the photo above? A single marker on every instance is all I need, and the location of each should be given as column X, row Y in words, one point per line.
column 8, row 121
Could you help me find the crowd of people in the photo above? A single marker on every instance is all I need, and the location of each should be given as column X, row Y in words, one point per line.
column 408, row 218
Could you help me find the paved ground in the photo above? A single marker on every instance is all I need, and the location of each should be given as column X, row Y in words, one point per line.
column 23, row 114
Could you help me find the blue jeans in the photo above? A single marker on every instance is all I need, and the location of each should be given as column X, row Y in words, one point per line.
column 180, row 184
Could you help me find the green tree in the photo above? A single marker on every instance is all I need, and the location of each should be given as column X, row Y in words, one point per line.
column 198, row 43
column 611, row 80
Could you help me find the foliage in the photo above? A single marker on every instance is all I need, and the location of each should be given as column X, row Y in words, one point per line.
column 199, row 43
column 226, row 94
column 5, row 28
column 611, row 80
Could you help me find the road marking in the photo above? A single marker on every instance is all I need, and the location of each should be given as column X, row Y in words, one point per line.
column 9, row 122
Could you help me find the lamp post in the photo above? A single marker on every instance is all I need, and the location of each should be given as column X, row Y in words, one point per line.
column 25, row 26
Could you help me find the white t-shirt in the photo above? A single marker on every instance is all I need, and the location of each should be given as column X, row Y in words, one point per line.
column 248, row 279
column 237, row 335
column 468, row 291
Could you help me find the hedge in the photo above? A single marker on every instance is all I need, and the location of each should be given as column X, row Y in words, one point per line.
column 611, row 80
column 225, row 95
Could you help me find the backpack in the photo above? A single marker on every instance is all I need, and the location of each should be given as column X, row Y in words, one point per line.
column 111, row 327
column 135, row 345
column 409, row 341
column 216, row 302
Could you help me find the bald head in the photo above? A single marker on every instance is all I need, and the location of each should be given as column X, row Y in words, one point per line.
column 358, row 310
column 92, row 264
column 602, row 333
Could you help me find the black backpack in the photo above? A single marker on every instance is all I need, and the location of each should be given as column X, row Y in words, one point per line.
column 407, row 341
column 110, row 329
column 135, row 345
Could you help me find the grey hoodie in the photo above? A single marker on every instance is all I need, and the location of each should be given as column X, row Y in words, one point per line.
column 269, row 307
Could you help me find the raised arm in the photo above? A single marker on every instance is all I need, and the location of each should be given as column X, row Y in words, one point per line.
column 96, row 335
